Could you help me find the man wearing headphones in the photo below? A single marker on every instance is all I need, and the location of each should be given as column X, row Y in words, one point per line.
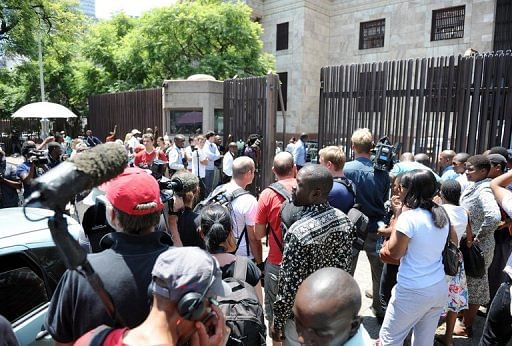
column 185, row 283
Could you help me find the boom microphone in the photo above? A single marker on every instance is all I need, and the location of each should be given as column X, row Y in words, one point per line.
column 91, row 168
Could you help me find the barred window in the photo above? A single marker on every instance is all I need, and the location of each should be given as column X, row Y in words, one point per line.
column 448, row 23
column 371, row 34
column 282, row 36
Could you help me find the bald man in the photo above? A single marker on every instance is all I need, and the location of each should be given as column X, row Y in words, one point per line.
column 322, row 237
column 446, row 170
column 326, row 310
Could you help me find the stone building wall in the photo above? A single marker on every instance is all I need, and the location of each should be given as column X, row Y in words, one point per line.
column 326, row 32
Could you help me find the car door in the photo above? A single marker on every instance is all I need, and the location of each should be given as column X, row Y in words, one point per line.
column 24, row 292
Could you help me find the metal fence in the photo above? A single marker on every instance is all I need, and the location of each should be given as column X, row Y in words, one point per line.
column 250, row 107
column 461, row 103
column 137, row 109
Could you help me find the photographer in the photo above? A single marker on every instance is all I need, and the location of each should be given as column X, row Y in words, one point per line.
column 35, row 165
column 184, row 221
column 9, row 183
column 54, row 154
column 145, row 158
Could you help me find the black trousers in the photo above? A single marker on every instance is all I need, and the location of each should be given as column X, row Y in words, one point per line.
column 498, row 325
column 502, row 249
column 387, row 282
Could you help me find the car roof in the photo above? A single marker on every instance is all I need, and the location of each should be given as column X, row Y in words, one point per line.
column 16, row 229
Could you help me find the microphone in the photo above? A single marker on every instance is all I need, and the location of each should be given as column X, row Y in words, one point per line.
column 91, row 168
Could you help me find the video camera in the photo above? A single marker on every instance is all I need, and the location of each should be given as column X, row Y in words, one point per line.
column 167, row 186
column 384, row 154
column 38, row 157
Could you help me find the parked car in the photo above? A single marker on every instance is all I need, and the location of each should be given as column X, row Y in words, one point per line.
column 30, row 269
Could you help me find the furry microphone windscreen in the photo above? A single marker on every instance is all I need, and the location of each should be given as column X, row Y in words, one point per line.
column 102, row 163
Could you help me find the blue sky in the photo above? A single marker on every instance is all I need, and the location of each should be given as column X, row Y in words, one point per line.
column 106, row 8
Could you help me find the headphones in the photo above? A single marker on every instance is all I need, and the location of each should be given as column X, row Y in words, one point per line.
column 191, row 306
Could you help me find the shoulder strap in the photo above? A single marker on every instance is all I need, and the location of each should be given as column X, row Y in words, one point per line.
column 237, row 193
column 99, row 334
column 240, row 271
column 280, row 189
column 348, row 184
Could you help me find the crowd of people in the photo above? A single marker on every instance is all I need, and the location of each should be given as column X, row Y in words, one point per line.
column 166, row 264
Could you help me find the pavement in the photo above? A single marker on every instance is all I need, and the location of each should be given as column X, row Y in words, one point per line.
column 364, row 280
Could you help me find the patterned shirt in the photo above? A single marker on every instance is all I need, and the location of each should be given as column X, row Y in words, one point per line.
column 322, row 238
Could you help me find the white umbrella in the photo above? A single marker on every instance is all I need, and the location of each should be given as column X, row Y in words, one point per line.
column 43, row 110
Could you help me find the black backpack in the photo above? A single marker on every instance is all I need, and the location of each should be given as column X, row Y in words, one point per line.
column 242, row 309
column 289, row 213
column 355, row 215
column 221, row 197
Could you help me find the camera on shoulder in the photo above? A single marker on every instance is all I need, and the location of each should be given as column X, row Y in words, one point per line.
column 38, row 157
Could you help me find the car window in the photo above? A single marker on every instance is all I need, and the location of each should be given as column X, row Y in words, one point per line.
column 21, row 291
column 50, row 260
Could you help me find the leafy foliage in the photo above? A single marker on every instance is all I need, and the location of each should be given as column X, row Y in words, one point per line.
column 82, row 58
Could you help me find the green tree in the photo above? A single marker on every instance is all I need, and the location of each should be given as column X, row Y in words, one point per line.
column 212, row 37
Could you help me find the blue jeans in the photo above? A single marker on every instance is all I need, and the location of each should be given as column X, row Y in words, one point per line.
column 208, row 180
column 498, row 325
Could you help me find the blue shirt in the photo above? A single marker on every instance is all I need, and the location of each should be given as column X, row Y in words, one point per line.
column 449, row 174
column 8, row 195
column 299, row 153
column 372, row 188
column 340, row 197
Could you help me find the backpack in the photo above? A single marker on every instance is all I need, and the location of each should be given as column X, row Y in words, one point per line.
column 288, row 214
column 242, row 310
column 355, row 214
column 221, row 197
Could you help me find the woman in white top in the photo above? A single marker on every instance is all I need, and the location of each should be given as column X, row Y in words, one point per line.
column 418, row 240
column 457, row 285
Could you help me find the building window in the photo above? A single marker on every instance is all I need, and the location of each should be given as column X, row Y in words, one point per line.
column 186, row 122
column 503, row 25
column 282, row 36
column 448, row 23
column 283, row 78
column 371, row 34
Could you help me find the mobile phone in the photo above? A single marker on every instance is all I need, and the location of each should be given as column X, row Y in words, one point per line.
column 381, row 224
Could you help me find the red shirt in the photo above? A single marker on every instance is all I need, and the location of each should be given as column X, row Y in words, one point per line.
column 147, row 158
column 114, row 338
column 269, row 205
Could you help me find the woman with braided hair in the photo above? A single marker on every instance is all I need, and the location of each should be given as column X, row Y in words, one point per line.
column 219, row 241
column 418, row 240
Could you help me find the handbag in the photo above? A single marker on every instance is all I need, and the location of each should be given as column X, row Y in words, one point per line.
column 474, row 263
column 451, row 254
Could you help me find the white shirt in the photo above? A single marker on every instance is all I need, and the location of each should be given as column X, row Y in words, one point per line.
column 188, row 153
column 244, row 212
column 176, row 156
column 202, row 168
column 133, row 142
column 422, row 265
column 507, row 205
column 458, row 218
column 227, row 164
column 463, row 181
column 212, row 152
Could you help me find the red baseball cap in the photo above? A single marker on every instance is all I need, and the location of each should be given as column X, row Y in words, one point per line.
column 134, row 192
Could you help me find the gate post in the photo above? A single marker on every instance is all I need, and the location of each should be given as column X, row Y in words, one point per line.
column 269, row 139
